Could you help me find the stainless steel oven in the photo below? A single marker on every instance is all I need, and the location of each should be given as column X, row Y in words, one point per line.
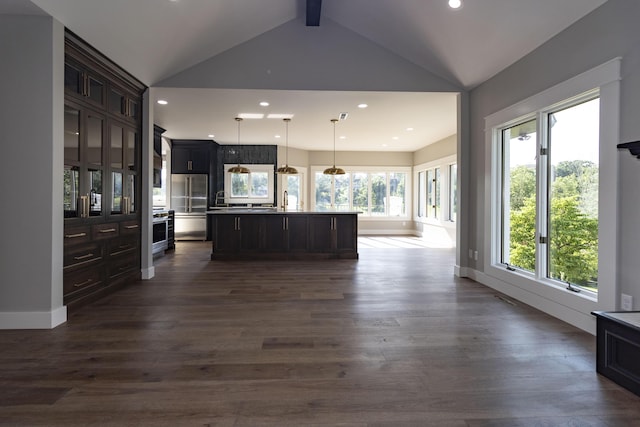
column 160, row 231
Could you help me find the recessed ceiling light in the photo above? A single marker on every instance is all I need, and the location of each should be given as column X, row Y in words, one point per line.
column 343, row 137
column 363, row 105
column 280, row 116
column 264, row 104
column 455, row 4
column 409, row 129
column 211, row 135
column 395, row 138
column 251, row 115
column 162, row 102
column 384, row 145
column 276, row 136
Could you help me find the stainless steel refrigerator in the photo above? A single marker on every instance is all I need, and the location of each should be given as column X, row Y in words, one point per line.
column 189, row 200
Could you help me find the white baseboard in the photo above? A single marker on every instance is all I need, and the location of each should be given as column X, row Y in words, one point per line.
column 365, row 232
column 148, row 273
column 33, row 319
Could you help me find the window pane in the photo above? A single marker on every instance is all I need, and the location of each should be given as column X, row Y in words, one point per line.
column 573, row 194
column 422, row 194
column 436, row 194
column 519, row 195
column 378, row 194
column 453, row 193
column 239, row 184
column 361, row 192
column 259, row 184
column 431, row 185
column 341, row 193
column 397, row 194
column 323, row 191
column 293, row 191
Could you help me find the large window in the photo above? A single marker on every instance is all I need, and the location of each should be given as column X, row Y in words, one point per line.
column 549, row 215
column 256, row 187
column 374, row 193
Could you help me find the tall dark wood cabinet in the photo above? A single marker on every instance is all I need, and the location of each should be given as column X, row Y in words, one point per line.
column 102, row 149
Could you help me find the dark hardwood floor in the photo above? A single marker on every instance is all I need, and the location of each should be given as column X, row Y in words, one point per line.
column 391, row 339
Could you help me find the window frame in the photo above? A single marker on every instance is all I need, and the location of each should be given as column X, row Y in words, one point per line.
column 537, row 290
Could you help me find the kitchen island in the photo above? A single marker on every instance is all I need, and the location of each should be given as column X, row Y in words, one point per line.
column 250, row 233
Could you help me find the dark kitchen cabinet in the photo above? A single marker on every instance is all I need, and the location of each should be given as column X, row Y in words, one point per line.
column 334, row 233
column 236, row 233
column 285, row 233
column 101, row 175
column 191, row 157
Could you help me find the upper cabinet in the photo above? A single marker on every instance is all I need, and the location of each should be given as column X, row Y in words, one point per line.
column 191, row 156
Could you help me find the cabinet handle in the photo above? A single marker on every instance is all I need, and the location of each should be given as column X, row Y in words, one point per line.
column 79, row 285
column 107, row 230
column 131, row 227
column 85, row 85
column 238, row 224
column 287, row 223
column 284, row 223
column 78, row 258
column 124, row 246
column 73, row 236
column 189, row 165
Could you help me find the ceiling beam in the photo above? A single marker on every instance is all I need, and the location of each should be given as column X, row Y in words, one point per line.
column 313, row 13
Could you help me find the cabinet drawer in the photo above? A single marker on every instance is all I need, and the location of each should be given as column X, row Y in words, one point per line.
column 105, row 231
column 123, row 264
column 82, row 255
column 83, row 280
column 77, row 235
column 123, row 245
column 130, row 227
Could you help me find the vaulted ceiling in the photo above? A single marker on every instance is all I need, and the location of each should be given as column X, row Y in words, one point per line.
column 157, row 39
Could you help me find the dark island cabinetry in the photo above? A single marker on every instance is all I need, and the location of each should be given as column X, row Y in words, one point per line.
column 283, row 235
column 101, row 200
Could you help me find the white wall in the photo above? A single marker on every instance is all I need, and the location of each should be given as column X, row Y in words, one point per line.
column 31, row 119
column 606, row 33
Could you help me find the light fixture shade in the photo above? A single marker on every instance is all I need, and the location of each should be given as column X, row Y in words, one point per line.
column 238, row 168
column 334, row 170
column 286, row 169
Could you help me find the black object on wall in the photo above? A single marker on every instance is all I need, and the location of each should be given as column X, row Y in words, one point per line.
column 633, row 147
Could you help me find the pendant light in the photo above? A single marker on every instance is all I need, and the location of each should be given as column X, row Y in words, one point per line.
column 238, row 168
column 286, row 169
column 334, row 170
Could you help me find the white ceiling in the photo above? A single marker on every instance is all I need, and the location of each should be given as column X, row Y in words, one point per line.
column 155, row 39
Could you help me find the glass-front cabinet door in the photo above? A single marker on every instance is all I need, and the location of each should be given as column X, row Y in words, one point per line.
column 123, row 149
